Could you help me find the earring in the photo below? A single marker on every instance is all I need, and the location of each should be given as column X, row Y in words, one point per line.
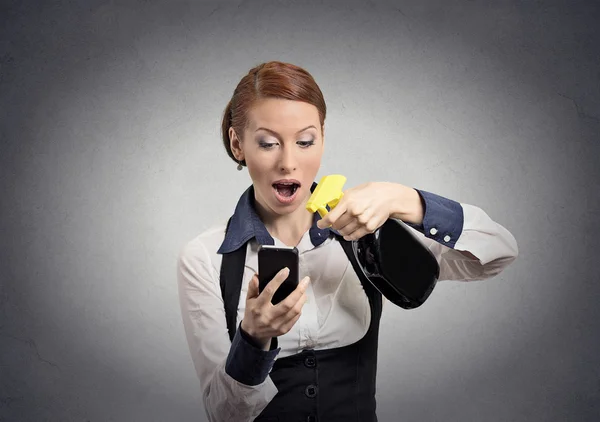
column 239, row 167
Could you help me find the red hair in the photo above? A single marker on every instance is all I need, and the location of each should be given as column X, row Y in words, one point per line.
column 269, row 80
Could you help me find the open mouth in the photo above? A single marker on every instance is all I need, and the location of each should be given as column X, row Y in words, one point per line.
column 286, row 190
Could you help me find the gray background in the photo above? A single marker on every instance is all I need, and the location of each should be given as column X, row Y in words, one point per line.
column 111, row 160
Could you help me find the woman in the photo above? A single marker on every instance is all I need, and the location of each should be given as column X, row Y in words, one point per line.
column 312, row 356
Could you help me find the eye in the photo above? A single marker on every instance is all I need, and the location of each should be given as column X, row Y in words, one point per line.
column 306, row 144
column 266, row 145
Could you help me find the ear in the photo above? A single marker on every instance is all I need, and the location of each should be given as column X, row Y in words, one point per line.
column 236, row 145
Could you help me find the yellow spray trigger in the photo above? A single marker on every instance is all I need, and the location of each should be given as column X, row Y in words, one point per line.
column 328, row 192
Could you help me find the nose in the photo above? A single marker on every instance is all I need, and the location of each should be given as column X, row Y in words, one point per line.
column 287, row 161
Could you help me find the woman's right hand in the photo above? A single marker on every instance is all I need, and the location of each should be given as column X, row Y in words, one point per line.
column 263, row 320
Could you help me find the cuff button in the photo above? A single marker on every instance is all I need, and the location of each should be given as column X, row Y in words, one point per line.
column 433, row 230
column 446, row 238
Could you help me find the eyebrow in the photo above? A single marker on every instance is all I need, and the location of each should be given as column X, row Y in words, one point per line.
column 272, row 132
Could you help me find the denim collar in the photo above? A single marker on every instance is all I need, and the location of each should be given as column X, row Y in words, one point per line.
column 246, row 224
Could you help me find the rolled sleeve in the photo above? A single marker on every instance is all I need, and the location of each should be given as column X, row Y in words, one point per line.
column 443, row 218
column 247, row 363
column 490, row 246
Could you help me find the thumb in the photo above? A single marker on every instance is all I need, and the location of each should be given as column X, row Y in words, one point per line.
column 252, row 287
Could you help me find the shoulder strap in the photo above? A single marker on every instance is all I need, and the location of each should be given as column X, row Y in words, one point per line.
column 232, row 273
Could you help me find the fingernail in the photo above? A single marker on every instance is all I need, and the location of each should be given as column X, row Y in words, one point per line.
column 306, row 281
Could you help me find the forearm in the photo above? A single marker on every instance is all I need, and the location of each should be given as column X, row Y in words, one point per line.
column 226, row 399
column 233, row 377
column 241, row 388
column 469, row 245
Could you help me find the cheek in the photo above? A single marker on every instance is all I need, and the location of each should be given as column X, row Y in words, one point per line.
column 255, row 162
column 312, row 161
column 257, row 169
column 254, row 172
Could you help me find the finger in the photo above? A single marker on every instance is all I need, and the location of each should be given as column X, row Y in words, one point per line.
column 283, row 307
column 364, row 220
column 296, row 309
column 361, row 211
column 301, row 287
column 332, row 216
column 362, row 231
column 252, row 287
column 267, row 294
column 288, row 310
column 288, row 325
column 357, row 219
column 342, row 221
column 354, row 212
column 365, row 217
column 324, row 222
column 349, row 228
column 337, row 220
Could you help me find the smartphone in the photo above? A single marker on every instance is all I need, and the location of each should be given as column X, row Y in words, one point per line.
column 271, row 259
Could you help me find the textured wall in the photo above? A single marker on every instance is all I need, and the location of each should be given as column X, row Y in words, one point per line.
column 110, row 159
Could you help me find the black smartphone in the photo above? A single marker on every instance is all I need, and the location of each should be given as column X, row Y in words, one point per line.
column 271, row 259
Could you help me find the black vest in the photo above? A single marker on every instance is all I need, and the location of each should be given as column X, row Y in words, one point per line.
column 333, row 385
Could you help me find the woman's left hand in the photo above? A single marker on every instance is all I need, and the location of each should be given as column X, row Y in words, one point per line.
column 364, row 208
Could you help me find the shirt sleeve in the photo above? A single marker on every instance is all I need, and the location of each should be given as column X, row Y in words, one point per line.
column 203, row 314
column 450, row 227
column 246, row 362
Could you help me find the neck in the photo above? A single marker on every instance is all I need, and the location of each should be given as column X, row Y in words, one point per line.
column 289, row 228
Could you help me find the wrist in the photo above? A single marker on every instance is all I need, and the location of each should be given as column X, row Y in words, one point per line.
column 248, row 335
column 407, row 205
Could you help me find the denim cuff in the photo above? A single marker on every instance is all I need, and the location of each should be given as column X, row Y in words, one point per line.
column 443, row 218
column 247, row 363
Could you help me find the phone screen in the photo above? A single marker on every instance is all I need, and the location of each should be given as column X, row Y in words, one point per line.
column 271, row 259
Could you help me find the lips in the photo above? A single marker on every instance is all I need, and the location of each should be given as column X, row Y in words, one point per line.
column 287, row 186
column 286, row 182
column 286, row 190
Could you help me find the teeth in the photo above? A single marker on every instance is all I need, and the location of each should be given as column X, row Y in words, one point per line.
column 294, row 186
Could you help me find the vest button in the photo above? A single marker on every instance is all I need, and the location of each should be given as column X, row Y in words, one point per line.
column 311, row 418
column 310, row 362
column 311, row 391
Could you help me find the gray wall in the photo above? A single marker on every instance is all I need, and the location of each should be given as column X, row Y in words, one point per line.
column 110, row 159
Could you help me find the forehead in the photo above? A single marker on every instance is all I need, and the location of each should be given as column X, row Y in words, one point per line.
column 281, row 115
